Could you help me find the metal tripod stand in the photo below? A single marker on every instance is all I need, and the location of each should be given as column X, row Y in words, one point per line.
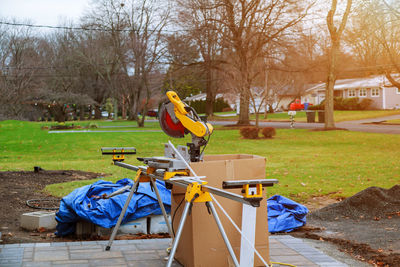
column 138, row 178
column 176, row 172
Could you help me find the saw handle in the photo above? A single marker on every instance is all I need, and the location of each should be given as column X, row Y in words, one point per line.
column 174, row 98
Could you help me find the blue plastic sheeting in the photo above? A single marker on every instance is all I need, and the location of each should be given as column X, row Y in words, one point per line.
column 285, row 215
column 82, row 205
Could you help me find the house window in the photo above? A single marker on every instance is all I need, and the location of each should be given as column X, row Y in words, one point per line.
column 362, row 92
column 352, row 93
column 375, row 92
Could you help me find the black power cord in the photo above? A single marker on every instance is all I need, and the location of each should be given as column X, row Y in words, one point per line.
column 173, row 216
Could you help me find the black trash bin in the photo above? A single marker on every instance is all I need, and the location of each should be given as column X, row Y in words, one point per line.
column 310, row 116
column 321, row 116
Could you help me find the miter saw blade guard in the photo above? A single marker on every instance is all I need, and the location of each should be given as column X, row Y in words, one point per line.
column 168, row 122
column 177, row 119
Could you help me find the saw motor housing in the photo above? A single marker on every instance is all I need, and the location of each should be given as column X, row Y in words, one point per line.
column 177, row 119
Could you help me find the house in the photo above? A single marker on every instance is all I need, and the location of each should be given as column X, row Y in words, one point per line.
column 200, row 97
column 377, row 88
column 280, row 99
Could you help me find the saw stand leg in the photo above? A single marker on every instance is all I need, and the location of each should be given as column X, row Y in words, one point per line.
column 121, row 216
column 219, row 224
column 153, row 182
column 128, row 200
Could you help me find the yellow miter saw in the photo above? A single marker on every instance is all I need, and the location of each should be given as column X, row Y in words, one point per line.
column 177, row 119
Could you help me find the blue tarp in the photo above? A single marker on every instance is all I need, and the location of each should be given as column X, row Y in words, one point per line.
column 285, row 215
column 82, row 204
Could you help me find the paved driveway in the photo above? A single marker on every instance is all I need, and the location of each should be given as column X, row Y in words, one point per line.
column 359, row 126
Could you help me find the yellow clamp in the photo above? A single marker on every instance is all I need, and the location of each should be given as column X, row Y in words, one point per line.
column 169, row 175
column 118, row 157
column 246, row 191
column 142, row 177
column 195, row 188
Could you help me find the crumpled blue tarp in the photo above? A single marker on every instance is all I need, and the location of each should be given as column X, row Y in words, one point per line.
column 285, row 215
column 80, row 205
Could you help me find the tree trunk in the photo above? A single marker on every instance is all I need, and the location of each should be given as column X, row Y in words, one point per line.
column 244, row 118
column 81, row 112
column 209, row 104
column 329, row 91
column 266, row 111
column 140, row 121
column 335, row 34
column 209, row 93
column 58, row 112
column 97, row 112
column 123, row 108
column 115, row 109
column 132, row 114
column 90, row 112
column 257, row 119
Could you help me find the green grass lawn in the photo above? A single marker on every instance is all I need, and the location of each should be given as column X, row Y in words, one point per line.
column 306, row 163
column 339, row 115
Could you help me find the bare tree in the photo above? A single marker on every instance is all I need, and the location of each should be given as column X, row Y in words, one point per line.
column 18, row 59
column 250, row 26
column 146, row 21
column 184, row 75
column 335, row 34
column 199, row 20
column 61, row 84
column 388, row 35
column 374, row 38
column 107, row 54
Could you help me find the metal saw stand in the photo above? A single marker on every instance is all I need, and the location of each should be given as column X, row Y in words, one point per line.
column 196, row 191
column 138, row 178
column 118, row 157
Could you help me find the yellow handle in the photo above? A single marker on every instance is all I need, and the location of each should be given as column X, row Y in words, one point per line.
column 174, row 98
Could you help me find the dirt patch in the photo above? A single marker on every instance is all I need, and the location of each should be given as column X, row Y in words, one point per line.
column 366, row 225
column 371, row 203
column 319, row 202
column 18, row 187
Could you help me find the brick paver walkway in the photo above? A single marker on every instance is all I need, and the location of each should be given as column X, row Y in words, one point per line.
column 146, row 253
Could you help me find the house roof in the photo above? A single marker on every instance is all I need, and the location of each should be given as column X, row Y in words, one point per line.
column 201, row 96
column 368, row 82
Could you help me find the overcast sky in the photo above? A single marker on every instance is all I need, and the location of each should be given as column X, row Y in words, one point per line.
column 43, row 12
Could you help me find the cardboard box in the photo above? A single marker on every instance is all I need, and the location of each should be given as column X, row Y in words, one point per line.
column 201, row 243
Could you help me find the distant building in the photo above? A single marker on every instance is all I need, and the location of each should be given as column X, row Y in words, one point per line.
column 280, row 101
column 377, row 88
column 201, row 96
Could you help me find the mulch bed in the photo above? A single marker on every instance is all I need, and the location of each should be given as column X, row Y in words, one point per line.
column 18, row 187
